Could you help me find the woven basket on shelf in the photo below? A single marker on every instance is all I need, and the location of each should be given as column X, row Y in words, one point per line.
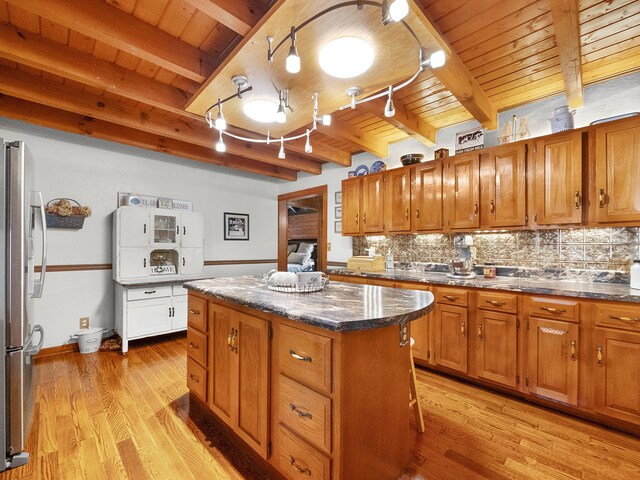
column 58, row 221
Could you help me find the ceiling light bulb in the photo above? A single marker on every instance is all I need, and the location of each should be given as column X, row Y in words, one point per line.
column 281, row 154
column 346, row 57
column 389, row 108
column 437, row 59
column 398, row 10
column 220, row 123
column 307, row 146
column 220, row 146
column 292, row 64
column 281, row 116
column 326, row 120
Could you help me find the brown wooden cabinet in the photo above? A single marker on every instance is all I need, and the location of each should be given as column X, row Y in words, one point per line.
column 462, row 191
column 503, row 186
column 351, row 198
column 426, row 197
column 420, row 329
column 372, row 206
column 496, row 347
column 617, row 175
column 451, row 330
column 240, row 373
column 397, row 200
column 558, row 179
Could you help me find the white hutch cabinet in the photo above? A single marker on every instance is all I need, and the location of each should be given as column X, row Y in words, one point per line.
column 154, row 252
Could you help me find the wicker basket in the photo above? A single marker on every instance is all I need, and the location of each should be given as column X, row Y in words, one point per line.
column 72, row 221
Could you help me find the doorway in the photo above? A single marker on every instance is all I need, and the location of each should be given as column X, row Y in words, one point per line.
column 302, row 221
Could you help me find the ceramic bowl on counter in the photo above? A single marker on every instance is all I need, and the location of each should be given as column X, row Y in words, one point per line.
column 411, row 158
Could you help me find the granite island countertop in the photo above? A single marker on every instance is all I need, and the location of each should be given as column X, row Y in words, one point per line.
column 566, row 288
column 339, row 307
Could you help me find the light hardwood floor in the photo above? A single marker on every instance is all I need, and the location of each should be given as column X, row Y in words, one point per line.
column 104, row 416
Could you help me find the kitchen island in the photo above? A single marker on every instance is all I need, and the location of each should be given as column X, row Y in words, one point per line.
column 316, row 383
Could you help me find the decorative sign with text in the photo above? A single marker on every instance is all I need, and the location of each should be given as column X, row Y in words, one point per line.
column 147, row 201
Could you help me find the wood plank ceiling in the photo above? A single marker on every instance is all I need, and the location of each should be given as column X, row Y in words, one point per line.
column 123, row 70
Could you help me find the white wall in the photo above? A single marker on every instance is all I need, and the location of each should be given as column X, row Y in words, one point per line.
column 93, row 171
column 606, row 99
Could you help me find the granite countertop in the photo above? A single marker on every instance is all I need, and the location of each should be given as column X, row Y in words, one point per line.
column 339, row 307
column 159, row 280
column 567, row 288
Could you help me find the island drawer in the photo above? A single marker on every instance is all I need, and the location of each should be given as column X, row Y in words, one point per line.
column 554, row 308
column 197, row 379
column 148, row 292
column 625, row 316
column 197, row 346
column 197, row 313
column 297, row 460
column 452, row 296
column 499, row 302
column 305, row 412
column 305, row 357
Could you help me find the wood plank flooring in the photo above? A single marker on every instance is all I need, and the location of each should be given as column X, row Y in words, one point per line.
column 105, row 416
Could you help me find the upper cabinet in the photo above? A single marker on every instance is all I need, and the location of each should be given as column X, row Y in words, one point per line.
column 398, row 200
column 363, row 205
column 617, row 172
column 426, row 197
column 351, row 193
column 462, row 191
column 558, row 179
column 504, row 186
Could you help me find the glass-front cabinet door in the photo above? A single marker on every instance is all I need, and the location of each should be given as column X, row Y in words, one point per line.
column 166, row 230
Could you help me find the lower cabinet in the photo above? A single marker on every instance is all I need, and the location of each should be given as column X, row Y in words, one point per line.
column 496, row 347
column 451, row 328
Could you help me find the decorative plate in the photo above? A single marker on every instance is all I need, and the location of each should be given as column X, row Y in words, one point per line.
column 378, row 166
column 361, row 170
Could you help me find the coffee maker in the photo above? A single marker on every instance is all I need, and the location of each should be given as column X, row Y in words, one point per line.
column 461, row 266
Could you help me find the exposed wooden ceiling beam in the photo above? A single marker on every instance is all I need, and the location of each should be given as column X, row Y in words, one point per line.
column 108, row 24
column 359, row 138
column 455, row 76
column 404, row 120
column 38, row 90
column 38, row 52
column 239, row 16
column 79, row 124
column 566, row 20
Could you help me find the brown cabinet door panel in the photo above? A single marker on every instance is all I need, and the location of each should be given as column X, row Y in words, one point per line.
column 223, row 362
column 507, row 186
column 553, row 359
column 373, row 203
column 452, row 327
column 617, row 358
column 618, row 172
column 463, row 192
column 558, row 179
column 496, row 347
column 397, row 199
column 351, row 199
column 426, row 197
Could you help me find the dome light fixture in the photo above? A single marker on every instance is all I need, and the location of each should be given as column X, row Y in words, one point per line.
column 260, row 110
column 346, row 57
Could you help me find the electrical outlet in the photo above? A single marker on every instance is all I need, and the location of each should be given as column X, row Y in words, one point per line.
column 328, row 246
column 84, row 322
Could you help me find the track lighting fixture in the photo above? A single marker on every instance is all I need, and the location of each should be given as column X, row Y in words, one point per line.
column 281, row 115
column 281, row 154
column 292, row 63
column 220, row 146
column 307, row 146
column 435, row 60
column 390, row 109
column 394, row 11
column 220, row 122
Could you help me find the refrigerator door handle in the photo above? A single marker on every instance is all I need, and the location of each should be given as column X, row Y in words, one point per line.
column 35, row 349
column 37, row 202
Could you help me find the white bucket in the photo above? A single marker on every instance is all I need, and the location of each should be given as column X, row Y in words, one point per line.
column 89, row 339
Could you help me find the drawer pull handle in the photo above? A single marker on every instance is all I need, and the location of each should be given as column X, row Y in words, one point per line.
column 495, row 303
column 601, row 198
column 300, row 413
column 577, row 204
column 194, row 312
column 624, row 319
column 479, row 332
column 475, row 209
column 492, row 208
column 462, row 329
column 553, row 310
column 357, row 219
column 364, row 218
column 194, row 378
column 232, row 340
column 417, row 214
column 149, row 292
column 451, row 298
column 599, row 356
column 406, row 214
column 297, row 468
column 299, row 357
column 573, row 350
column 194, row 346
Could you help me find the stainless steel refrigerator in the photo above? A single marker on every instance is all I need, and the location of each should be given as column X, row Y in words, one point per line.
column 23, row 229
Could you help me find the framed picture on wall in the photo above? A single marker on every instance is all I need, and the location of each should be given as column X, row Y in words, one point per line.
column 338, row 226
column 339, row 198
column 339, row 212
column 236, row 226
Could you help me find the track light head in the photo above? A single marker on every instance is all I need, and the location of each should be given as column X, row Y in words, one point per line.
column 220, row 146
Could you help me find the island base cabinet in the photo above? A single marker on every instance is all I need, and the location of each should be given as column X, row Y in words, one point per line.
column 617, row 359
column 496, row 347
column 240, row 373
column 553, row 359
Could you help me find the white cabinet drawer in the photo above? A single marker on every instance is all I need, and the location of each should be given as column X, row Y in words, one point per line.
column 148, row 292
column 179, row 290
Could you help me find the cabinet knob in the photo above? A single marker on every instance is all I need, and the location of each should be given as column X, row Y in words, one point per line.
column 194, row 378
column 194, row 346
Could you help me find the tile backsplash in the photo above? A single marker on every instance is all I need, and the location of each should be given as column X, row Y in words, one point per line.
column 611, row 249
